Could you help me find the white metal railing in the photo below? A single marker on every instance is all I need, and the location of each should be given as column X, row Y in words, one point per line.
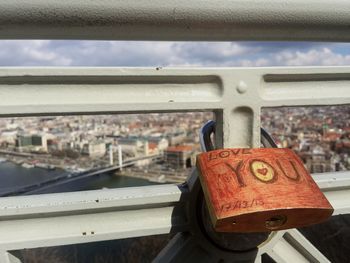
column 236, row 95
column 69, row 218
column 220, row 20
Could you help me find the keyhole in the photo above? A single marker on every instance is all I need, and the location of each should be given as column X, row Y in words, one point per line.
column 276, row 221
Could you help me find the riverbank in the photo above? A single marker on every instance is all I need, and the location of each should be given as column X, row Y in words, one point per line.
column 49, row 162
column 14, row 176
column 153, row 176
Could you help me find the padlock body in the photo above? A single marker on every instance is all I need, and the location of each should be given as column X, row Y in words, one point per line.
column 257, row 190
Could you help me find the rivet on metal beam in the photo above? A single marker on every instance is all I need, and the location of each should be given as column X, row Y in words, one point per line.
column 242, row 87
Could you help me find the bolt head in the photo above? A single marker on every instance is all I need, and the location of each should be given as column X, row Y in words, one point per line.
column 242, row 87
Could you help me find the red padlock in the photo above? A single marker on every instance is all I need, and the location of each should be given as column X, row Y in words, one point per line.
column 257, row 190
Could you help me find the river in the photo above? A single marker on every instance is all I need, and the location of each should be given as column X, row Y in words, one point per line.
column 14, row 176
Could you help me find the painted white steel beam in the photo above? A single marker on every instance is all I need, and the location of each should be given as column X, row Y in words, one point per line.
column 235, row 94
column 79, row 217
column 291, row 246
column 332, row 180
column 97, row 215
column 82, row 228
column 336, row 187
column 316, row 20
column 93, row 200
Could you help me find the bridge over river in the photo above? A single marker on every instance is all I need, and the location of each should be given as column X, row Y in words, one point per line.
column 72, row 177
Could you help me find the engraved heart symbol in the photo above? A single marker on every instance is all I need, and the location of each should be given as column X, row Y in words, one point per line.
column 262, row 171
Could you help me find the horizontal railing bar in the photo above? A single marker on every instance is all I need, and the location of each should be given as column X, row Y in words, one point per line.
column 320, row 20
column 332, row 180
column 88, row 216
column 63, row 91
column 303, row 93
column 336, row 187
column 306, row 86
column 340, row 200
column 93, row 200
column 125, row 197
column 138, row 211
column 82, row 228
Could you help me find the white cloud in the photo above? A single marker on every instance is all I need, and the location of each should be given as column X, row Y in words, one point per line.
column 30, row 53
column 322, row 57
column 122, row 53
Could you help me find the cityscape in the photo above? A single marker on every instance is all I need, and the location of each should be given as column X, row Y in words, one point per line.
column 319, row 135
column 162, row 148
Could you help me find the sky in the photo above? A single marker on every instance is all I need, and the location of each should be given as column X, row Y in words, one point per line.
column 172, row 54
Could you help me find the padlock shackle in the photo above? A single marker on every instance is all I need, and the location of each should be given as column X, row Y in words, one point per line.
column 267, row 140
column 210, row 127
column 204, row 136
